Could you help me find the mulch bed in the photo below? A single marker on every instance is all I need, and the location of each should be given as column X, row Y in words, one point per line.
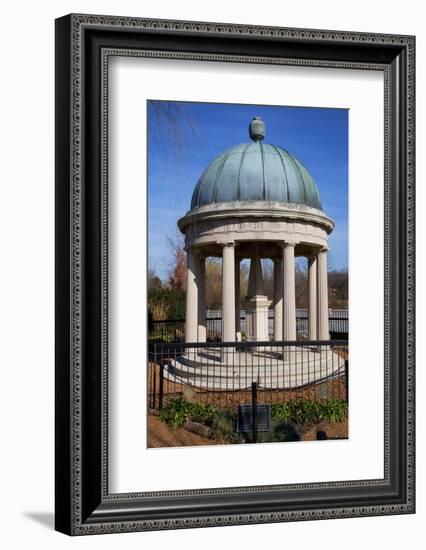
column 333, row 430
column 162, row 435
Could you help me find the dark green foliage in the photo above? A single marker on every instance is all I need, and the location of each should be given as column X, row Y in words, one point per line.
column 285, row 431
column 178, row 411
column 154, row 282
column 311, row 412
column 286, row 418
column 282, row 431
column 224, row 425
column 221, row 422
column 172, row 297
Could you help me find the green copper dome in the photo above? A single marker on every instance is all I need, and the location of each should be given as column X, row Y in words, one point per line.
column 256, row 171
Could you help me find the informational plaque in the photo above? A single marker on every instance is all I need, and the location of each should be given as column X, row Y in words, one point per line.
column 245, row 418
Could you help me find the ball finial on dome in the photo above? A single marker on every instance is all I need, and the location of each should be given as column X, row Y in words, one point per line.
column 257, row 129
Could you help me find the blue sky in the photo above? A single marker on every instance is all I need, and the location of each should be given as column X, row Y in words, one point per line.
column 178, row 154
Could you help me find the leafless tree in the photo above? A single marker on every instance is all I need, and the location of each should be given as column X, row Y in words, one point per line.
column 268, row 277
column 213, row 283
column 177, row 262
column 338, row 288
column 172, row 120
column 244, row 275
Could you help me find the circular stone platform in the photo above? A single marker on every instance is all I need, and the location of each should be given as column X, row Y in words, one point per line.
column 228, row 369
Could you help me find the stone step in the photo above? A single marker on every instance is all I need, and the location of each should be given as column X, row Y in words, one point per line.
column 327, row 361
column 242, row 383
column 281, row 375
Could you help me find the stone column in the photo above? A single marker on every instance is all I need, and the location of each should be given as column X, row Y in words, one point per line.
column 201, row 284
column 278, row 299
column 191, row 317
column 228, row 292
column 237, row 299
column 289, row 293
column 322, row 296
column 312, row 292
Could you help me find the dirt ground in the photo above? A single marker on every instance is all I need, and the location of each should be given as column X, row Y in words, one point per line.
column 334, row 430
column 161, row 435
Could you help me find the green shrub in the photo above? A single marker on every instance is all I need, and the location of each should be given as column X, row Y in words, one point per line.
column 172, row 298
column 224, row 425
column 311, row 412
column 203, row 413
column 178, row 411
column 281, row 432
column 175, row 413
column 285, row 417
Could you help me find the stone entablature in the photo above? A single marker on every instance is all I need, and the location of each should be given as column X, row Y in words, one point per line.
column 256, row 209
column 269, row 222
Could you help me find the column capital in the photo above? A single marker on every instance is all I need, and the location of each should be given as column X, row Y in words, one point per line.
column 285, row 244
column 313, row 254
column 227, row 244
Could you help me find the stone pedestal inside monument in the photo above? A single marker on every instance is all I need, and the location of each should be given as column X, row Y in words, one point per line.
column 256, row 304
column 256, row 310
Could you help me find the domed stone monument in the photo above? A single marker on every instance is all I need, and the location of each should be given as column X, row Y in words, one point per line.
column 256, row 200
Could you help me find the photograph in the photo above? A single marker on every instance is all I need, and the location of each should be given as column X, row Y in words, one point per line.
column 248, row 274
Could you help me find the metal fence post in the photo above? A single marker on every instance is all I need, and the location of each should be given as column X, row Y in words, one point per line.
column 160, row 394
column 152, row 380
column 254, row 408
column 347, row 379
column 154, row 376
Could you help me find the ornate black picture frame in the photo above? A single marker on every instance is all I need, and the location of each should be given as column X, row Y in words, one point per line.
column 83, row 45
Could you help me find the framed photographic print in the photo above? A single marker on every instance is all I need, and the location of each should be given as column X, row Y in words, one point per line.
column 234, row 274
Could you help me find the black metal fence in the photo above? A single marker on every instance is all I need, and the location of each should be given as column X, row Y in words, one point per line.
column 170, row 330
column 174, row 330
column 223, row 373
